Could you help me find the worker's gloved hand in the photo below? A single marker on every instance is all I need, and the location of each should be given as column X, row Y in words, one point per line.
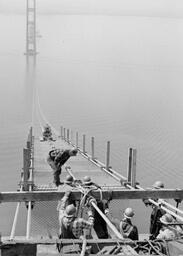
column 67, row 194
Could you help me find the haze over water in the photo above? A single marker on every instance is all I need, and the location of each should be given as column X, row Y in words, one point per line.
column 112, row 71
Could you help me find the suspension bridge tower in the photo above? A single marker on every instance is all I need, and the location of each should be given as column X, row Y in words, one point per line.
column 31, row 28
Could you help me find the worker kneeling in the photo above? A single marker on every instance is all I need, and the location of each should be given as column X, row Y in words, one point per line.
column 71, row 226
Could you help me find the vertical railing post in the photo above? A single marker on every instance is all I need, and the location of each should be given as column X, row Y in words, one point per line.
column 64, row 134
column 61, row 132
column 129, row 171
column 84, row 143
column 108, row 156
column 67, row 135
column 77, row 138
column 92, row 148
column 133, row 174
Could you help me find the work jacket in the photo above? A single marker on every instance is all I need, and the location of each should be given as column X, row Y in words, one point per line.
column 128, row 230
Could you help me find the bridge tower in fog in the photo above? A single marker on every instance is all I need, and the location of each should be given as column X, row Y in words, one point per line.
column 31, row 28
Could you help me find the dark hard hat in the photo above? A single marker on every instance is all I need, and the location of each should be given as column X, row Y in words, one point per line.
column 128, row 213
column 87, row 180
column 74, row 150
column 69, row 179
column 158, row 184
column 70, row 211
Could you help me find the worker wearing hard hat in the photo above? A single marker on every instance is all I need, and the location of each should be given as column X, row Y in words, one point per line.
column 68, row 185
column 125, row 226
column 71, row 226
column 168, row 230
column 100, row 225
column 56, row 159
column 88, row 183
column 156, row 214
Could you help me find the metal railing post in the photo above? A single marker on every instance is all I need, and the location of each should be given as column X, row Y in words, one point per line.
column 67, row 135
column 84, row 143
column 129, row 171
column 61, row 132
column 133, row 174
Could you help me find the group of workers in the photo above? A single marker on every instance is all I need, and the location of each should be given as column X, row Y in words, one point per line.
column 72, row 226
column 162, row 224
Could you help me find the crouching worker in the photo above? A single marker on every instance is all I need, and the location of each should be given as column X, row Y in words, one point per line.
column 47, row 134
column 71, row 226
column 56, row 159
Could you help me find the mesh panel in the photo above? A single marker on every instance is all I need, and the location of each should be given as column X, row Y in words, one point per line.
column 44, row 221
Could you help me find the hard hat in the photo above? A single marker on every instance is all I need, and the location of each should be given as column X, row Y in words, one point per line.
column 158, row 184
column 128, row 213
column 68, row 179
column 74, row 151
column 166, row 219
column 87, row 180
column 70, row 211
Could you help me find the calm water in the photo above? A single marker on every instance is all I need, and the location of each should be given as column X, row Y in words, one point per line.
column 113, row 77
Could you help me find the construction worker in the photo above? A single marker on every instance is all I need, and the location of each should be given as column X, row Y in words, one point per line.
column 157, row 213
column 167, row 231
column 56, row 158
column 47, row 134
column 88, row 183
column 125, row 226
column 67, row 186
column 71, row 226
column 100, row 225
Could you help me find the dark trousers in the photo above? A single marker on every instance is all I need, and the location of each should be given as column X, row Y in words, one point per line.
column 56, row 171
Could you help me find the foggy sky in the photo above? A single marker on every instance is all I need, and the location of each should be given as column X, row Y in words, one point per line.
column 157, row 8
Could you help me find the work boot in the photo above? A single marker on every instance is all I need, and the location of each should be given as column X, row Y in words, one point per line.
column 58, row 183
